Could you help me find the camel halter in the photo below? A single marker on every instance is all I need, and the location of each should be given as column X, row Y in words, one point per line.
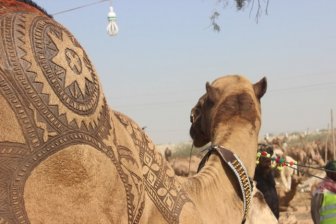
column 238, row 169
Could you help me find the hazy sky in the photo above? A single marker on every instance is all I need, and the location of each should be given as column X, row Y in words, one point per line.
column 156, row 68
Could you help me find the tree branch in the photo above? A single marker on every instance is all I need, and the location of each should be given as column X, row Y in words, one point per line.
column 240, row 5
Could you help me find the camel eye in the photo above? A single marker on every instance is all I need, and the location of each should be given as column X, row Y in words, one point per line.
column 194, row 114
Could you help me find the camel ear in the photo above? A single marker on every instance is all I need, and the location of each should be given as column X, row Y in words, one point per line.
column 211, row 92
column 260, row 87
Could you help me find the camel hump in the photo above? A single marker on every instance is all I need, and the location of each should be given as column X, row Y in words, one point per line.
column 50, row 76
column 14, row 6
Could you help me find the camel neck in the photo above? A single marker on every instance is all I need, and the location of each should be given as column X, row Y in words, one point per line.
column 242, row 141
column 217, row 184
column 228, row 158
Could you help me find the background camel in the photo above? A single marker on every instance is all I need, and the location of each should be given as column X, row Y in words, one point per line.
column 287, row 172
column 185, row 166
column 167, row 154
column 66, row 157
column 285, row 197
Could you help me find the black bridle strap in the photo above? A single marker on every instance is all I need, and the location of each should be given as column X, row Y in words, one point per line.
column 237, row 167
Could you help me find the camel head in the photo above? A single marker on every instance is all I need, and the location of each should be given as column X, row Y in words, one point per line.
column 229, row 101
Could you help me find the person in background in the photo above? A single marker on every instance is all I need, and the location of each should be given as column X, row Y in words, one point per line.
column 323, row 203
column 264, row 178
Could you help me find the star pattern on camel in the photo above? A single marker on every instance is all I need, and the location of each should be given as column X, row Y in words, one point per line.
column 76, row 70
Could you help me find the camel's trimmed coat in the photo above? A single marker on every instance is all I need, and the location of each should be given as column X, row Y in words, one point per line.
column 65, row 157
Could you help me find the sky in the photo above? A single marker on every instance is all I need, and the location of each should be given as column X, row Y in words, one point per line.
column 155, row 69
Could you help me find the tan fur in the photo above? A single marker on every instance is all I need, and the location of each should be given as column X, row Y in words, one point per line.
column 78, row 176
column 8, row 124
column 66, row 157
column 260, row 212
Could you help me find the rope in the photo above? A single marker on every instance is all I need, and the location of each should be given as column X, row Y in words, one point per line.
column 79, row 7
column 192, row 146
column 303, row 172
column 112, row 28
column 311, row 167
column 281, row 162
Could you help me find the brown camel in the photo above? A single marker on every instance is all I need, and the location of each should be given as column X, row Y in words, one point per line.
column 167, row 154
column 285, row 197
column 66, row 157
column 185, row 166
column 287, row 172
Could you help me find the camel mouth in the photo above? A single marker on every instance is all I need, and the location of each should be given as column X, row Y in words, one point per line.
column 199, row 144
column 197, row 132
column 198, row 137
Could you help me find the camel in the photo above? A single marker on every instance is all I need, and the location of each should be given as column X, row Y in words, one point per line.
column 185, row 166
column 287, row 172
column 167, row 154
column 285, row 197
column 228, row 116
column 67, row 157
column 314, row 156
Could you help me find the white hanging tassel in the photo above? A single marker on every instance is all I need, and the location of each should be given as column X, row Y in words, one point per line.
column 112, row 28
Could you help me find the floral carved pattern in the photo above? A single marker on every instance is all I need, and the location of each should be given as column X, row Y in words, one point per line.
column 159, row 178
